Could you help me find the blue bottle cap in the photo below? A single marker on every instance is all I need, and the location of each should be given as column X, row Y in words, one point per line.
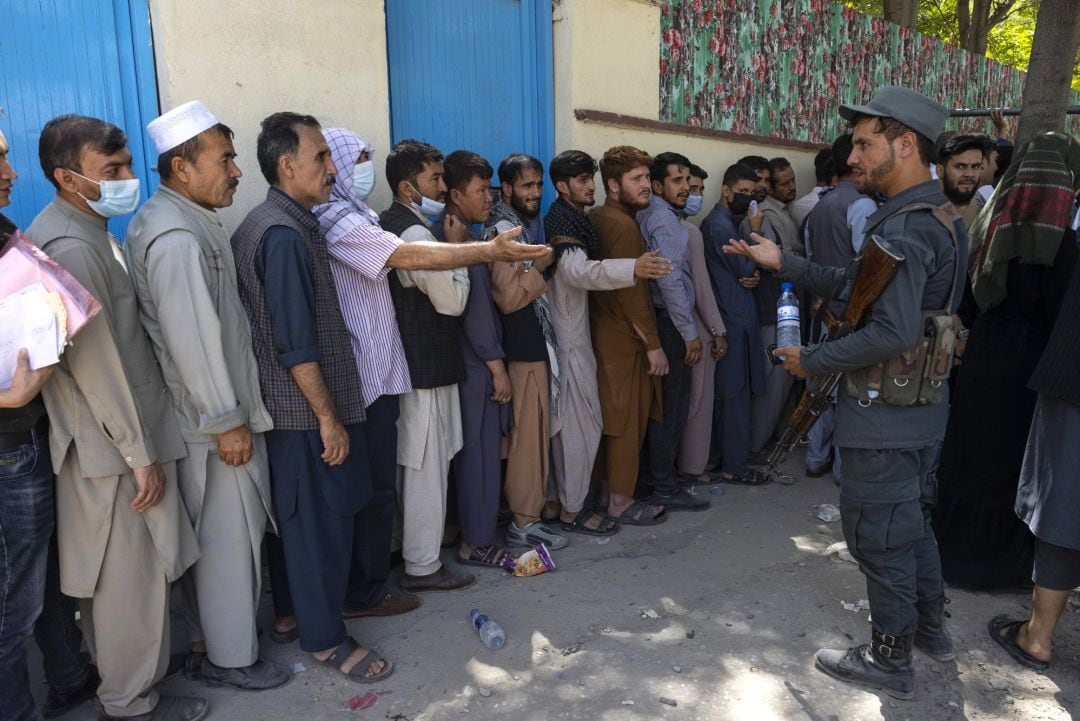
column 787, row 286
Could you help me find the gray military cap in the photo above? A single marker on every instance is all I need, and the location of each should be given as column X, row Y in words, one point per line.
column 913, row 109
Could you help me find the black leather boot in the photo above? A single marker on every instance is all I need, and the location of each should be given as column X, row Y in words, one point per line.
column 932, row 638
column 884, row 663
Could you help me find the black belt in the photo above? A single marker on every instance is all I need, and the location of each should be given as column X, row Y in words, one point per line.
column 14, row 439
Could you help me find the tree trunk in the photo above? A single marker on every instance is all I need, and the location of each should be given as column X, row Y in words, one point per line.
column 901, row 12
column 1049, row 76
column 963, row 22
column 980, row 27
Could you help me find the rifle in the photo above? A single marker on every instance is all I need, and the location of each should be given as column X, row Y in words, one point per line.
column 876, row 268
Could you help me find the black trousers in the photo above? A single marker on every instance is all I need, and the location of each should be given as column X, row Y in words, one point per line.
column 885, row 501
column 661, row 447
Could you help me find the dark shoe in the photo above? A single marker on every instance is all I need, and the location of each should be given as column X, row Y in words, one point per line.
column 640, row 513
column 258, row 676
column 679, row 501
column 820, row 470
column 533, row 534
column 168, row 708
column 395, row 602
column 931, row 637
column 58, row 703
column 1004, row 631
column 884, row 663
column 442, row 580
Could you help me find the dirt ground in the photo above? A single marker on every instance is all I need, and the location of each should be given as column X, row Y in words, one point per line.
column 717, row 612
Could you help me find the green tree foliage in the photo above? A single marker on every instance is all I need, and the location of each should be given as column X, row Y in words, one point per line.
column 1010, row 34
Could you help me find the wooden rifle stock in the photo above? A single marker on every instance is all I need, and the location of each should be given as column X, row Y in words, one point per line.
column 877, row 267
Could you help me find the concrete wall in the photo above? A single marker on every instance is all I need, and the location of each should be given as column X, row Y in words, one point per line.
column 246, row 60
column 607, row 57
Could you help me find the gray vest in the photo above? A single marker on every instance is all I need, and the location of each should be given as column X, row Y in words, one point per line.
column 283, row 398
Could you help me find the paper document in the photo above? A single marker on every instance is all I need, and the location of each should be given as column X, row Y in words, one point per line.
column 32, row 318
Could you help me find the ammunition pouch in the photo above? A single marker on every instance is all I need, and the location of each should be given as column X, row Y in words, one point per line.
column 916, row 377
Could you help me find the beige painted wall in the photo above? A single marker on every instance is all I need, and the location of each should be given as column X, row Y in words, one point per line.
column 246, row 60
column 607, row 57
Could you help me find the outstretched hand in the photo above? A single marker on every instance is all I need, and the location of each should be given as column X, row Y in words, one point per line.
column 764, row 252
column 508, row 249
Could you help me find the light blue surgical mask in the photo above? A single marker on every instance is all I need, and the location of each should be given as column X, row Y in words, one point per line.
column 428, row 207
column 118, row 197
column 363, row 179
column 693, row 205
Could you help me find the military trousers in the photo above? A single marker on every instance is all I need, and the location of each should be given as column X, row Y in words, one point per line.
column 885, row 501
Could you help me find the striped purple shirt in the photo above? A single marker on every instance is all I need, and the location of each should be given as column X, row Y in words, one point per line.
column 359, row 250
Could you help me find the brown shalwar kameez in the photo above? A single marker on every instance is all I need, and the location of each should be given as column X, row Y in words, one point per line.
column 629, row 396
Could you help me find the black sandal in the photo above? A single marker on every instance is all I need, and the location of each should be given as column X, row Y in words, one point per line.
column 753, row 478
column 1004, row 631
column 356, row 673
column 605, row 527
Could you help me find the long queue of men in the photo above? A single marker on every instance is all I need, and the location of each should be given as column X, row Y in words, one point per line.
column 325, row 369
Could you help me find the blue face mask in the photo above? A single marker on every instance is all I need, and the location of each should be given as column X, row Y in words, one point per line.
column 118, row 197
column 693, row 205
column 363, row 179
column 428, row 207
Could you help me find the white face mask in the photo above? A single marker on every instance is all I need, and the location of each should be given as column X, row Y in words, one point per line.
column 693, row 205
column 363, row 179
column 118, row 197
column 428, row 207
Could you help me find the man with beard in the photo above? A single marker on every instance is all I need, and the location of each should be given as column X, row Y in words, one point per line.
column 628, row 351
column 782, row 191
column 960, row 162
column 889, row 446
column 741, row 372
column 576, row 430
column 531, row 351
column 673, row 302
column 180, row 262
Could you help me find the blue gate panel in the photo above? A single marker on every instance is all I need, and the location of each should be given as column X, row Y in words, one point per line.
column 473, row 74
column 74, row 56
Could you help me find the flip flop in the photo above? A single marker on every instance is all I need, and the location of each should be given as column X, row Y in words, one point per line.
column 1004, row 632
column 356, row 673
column 578, row 525
column 639, row 513
column 487, row 556
column 285, row 636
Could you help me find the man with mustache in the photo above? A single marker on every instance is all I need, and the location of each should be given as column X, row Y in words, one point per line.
column 673, row 302
column 310, row 384
column 960, row 162
column 181, row 265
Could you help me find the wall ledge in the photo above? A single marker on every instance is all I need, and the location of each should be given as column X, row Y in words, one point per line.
column 603, row 117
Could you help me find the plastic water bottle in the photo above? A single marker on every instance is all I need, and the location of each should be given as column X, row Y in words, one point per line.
column 490, row 632
column 788, row 330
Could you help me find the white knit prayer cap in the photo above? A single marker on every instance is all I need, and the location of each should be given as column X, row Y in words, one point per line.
column 180, row 124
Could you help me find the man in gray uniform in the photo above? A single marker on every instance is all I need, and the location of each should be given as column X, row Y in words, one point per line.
column 888, row 450
column 180, row 261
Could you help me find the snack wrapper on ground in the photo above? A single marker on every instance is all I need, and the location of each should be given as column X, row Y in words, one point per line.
column 531, row 563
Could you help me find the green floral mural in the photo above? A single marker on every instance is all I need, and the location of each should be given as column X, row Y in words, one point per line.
column 780, row 68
